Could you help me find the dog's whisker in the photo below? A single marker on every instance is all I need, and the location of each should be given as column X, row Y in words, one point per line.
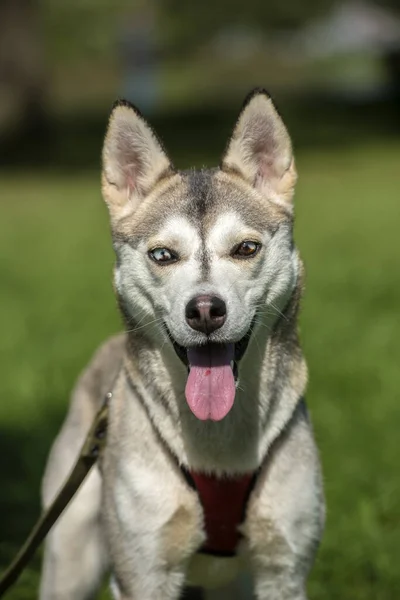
column 279, row 311
column 144, row 325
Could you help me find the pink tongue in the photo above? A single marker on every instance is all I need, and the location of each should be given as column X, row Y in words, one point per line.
column 210, row 388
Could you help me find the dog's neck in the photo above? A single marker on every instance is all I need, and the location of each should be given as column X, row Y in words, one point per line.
column 272, row 379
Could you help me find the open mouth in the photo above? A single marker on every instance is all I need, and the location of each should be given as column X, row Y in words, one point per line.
column 212, row 376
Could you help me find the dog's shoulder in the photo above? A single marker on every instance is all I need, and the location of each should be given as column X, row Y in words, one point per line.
column 98, row 376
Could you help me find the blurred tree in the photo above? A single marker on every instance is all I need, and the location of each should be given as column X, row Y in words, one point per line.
column 190, row 22
column 390, row 4
column 22, row 68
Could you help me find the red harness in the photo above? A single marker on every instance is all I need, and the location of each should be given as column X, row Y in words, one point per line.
column 224, row 503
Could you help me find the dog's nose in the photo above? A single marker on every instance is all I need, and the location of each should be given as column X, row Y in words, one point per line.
column 205, row 313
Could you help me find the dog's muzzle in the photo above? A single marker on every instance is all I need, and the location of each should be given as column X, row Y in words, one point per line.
column 240, row 349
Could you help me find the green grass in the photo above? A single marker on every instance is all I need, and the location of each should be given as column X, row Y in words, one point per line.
column 57, row 305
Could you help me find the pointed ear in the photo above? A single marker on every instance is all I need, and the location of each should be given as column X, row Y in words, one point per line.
column 133, row 160
column 260, row 150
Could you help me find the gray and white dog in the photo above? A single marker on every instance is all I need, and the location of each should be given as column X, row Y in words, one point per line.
column 210, row 476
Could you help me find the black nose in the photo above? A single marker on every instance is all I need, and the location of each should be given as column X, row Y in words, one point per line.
column 206, row 313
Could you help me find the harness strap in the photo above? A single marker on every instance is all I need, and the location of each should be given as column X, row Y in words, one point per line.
column 224, row 501
column 90, row 452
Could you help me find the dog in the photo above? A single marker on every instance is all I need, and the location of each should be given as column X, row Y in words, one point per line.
column 210, row 478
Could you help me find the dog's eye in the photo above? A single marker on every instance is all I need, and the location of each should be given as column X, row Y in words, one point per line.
column 162, row 256
column 246, row 249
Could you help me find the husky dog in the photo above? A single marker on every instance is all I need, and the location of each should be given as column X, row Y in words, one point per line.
column 210, row 477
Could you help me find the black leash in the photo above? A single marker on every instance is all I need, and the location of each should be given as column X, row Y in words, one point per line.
column 91, row 449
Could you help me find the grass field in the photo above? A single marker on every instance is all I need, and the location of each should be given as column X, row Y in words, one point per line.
column 57, row 305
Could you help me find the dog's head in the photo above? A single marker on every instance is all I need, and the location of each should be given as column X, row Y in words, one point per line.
column 203, row 256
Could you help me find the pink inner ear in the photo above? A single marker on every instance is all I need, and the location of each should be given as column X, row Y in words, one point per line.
column 130, row 175
column 265, row 168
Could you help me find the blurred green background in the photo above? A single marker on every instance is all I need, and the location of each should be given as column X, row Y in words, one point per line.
column 334, row 70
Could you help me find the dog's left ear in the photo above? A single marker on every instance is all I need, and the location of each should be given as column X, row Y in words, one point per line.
column 134, row 160
column 260, row 150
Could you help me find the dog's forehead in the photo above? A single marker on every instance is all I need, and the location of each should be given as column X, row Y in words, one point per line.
column 201, row 197
column 207, row 195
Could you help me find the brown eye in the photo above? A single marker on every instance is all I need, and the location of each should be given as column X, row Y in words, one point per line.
column 162, row 256
column 246, row 249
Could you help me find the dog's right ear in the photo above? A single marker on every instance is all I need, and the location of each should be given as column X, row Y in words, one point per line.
column 133, row 160
column 260, row 150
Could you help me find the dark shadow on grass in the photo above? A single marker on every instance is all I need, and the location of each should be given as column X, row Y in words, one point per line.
column 23, row 457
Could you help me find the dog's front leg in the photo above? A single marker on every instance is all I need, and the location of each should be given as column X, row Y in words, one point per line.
column 154, row 524
column 158, row 586
column 285, row 516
